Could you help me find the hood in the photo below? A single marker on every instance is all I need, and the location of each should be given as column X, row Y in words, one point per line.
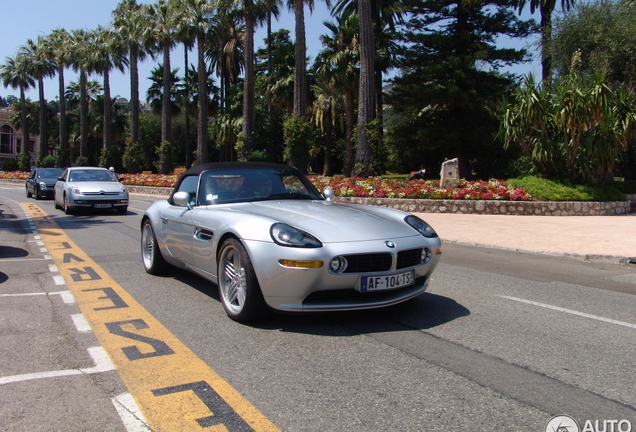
column 97, row 187
column 335, row 222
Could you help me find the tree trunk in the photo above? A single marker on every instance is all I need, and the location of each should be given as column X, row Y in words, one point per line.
column 24, row 119
column 166, row 115
column 366, row 101
column 248, row 86
column 134, row 95
column 63, row 128
column 107, row 127
column 83, row 150
column 44, row 136
column 326, row 167
column 202, row 124
column 546, row 39
column 186, row 108
column 300, row 74
column 271, row 145
column 347, row 168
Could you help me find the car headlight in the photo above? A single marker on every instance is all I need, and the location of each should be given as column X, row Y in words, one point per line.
column 42, row 185
column 421, row 226
column 75, row 191
column 285, row 235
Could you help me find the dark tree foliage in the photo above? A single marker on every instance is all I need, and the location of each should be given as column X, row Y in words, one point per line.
column 443, row 102
column 597, row 36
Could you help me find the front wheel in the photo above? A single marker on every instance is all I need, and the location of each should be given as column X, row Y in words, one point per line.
column 67, row 209
column 239, row 290
column 153, row 261
column 28, row 194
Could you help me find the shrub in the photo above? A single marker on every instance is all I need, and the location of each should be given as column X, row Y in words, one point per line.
column 551, row 190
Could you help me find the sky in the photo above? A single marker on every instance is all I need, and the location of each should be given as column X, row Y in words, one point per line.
column 28, row 19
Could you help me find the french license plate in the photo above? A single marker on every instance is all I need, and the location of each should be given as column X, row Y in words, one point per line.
column 102, row 205
column 385, row 282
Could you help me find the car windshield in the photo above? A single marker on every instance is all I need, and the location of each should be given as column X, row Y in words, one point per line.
column 49, row 173
column 253, row 184
column 94, row 175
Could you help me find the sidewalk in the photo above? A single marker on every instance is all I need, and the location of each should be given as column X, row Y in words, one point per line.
column 595, row 238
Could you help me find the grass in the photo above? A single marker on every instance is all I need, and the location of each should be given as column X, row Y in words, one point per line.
column 551, row 190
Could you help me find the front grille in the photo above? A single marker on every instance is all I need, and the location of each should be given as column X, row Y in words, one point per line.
column 100, row 193
column 366, row 263
column 409, row 258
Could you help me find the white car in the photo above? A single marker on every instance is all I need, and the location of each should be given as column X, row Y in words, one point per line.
column 90, row 188
column 267, row 238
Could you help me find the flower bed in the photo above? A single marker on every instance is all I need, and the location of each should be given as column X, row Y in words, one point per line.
column 371, row 187
column 378, row 187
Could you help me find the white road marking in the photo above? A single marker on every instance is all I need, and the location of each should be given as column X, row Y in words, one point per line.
column 67, row 296
column 130, row 414
column 59, row 280
column 573, row 312
column 98, row 354
column 81, row 324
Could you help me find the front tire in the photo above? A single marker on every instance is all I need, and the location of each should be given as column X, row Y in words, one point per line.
column 239, row 290
column 67, row 209
column 36, row 193
column 154, row 262
column 28, row 194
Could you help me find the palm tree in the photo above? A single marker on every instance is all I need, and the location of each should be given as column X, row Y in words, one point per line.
column 225, row 50
column 15, row 73
column 196, row 14
column 154, row 95
column 41, row 67
column 385, row 14
column 59, row 41
column 186, row 34
column 163, row 27
column 132, row 23
column 108, row 53
column 254, row 13
column 339, row 63
column 546, row 8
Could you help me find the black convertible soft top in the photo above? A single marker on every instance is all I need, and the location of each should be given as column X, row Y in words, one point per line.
column 198, row 169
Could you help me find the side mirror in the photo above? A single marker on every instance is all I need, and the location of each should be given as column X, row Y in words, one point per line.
column 181, row 199
column 61, row 179
column 328, row 193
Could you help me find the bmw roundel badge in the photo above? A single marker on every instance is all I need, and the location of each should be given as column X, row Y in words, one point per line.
column 389, row 244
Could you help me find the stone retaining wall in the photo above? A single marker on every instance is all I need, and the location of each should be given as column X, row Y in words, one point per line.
column 539, row 208
column 494, row 207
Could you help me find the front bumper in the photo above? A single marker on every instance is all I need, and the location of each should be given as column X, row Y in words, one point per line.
column 86, row 203
column 318, row 289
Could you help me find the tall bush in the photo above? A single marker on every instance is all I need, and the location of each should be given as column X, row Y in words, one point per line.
column 576, row 131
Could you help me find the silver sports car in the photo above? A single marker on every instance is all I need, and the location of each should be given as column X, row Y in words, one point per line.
column 267, row 238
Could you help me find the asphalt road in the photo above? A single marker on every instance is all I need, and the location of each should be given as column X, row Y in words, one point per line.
column 502, row 341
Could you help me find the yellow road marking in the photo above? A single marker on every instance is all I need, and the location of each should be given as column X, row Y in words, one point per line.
column 174, row 388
